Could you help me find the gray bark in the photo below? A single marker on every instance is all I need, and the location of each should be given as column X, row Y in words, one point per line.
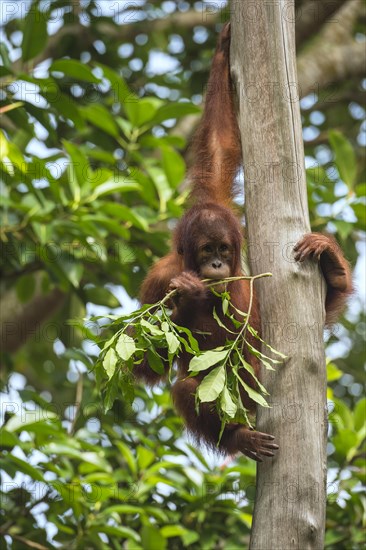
column 290, row 501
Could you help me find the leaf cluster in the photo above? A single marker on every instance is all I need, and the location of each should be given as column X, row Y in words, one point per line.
column 149, row 334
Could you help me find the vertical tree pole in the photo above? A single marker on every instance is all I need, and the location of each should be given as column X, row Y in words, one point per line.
column 289, row 510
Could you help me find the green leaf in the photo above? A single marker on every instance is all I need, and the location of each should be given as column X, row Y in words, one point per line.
column 114, row 531
column 176, row 110
column 220, row 323
column 123, row 509
column 125, row 347
column 248, row 367
column 25, row 468
column 110, row 342
column 5, row 58
column 341, row 416
column 145, row 457
column 173, row 342
column 65, row 106
column 99, row 116
column 151, row 329
column 104, row 225
column 152, row 538
column 190, row 537
column 142, row 111
column 169, row 531
column 263, row 358
column 74, row 69
column 333, row 372
column 191, row 339
column 70, row 449
column 155, row 361
column 174, row 166
column 71, row 498
column 4, row 71
column 359, row 414
column 125, row 213
column 161, row 185
column 79, row 170
column 360, row 190
column 199, row 454
column 35, row 33
column 9, row 149
column 29, row 420
column 101, row 296
column 345, row 442
column 212, row 385
column 120, row 89
column 126, row 127
column 360, row 213
column 112, row 392
column 254, row 333
column 345, row 157
column 110, row 362
column 207, row 359
column 156, row 142
column 227, row 404
column 25, row 287
column 8, row 439
column 343, row 228
column 72, row 269
column 127, row 455
column 254, row 395
column 114, row 186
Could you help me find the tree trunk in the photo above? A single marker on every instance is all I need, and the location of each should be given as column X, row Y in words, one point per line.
column 289, row 510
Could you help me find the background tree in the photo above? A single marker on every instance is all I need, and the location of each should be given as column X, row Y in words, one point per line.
column 98, row 100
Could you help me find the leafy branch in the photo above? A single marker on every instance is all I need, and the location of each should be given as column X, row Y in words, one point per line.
column 150, row 335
